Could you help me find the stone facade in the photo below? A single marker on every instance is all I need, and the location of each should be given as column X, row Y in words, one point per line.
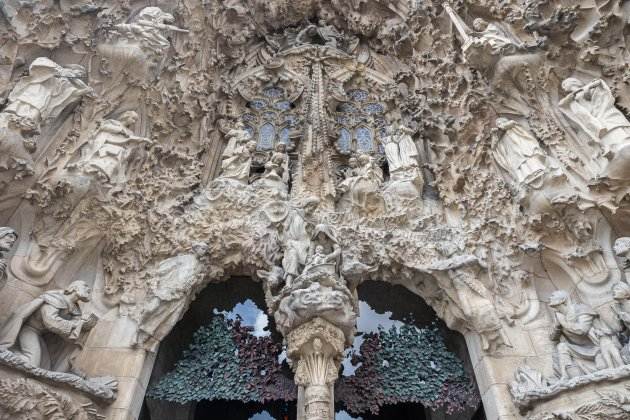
column 476, row 152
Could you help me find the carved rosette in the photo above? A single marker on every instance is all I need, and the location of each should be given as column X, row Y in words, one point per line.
column 316, row 350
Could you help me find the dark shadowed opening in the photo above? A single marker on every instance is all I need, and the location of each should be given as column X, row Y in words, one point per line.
column 381, row 304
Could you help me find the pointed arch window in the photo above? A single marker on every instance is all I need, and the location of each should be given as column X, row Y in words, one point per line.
column 360, row 122
column 364, row 140
column 266, row 137
column 344, row 141
column 269, row 118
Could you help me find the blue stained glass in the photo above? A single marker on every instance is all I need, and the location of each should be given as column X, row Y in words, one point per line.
column 250, row 130
column 346, row 107
column 358, row 95
column 248, row 117
column 343, row 142
column 342, row 119
column 266, row 136
column 284, row 135
column 374, row 109
column 258, row 104
column 273, row 92
column 282, row 105
column 364, row 139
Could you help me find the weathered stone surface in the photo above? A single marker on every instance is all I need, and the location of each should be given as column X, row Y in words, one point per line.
column 475, row 152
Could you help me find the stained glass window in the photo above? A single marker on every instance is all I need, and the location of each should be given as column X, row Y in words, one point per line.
column 258, row 104
column 364, row 139
column 343, row 143
column 358, row 95
column 374, row 109
column 271, row 113
column 282, row 105
column 250, row 130
column 273, row 92
column 266, row 137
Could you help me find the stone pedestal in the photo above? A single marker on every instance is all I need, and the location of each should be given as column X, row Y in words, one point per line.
column 316, row 349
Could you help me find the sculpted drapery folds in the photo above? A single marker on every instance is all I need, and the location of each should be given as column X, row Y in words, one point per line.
column 175, row 282
column 237, row 156
column 37, row 99
column 106, row 154
column 56, row 312
column 45, row 93
column 584, row 343
column 591, row 107
column 518, row 153
column 318, row 144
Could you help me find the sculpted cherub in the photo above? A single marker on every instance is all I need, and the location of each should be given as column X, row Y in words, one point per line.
column 319, row 259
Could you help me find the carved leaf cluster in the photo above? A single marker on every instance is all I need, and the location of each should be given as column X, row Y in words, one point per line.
column 225, row 361
column 406, row 365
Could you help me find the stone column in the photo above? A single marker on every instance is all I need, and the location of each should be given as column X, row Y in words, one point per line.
column 315, row 350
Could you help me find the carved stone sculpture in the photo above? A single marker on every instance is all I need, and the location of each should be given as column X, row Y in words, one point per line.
column 45, row 93
column 621, row 306
column 475, row 301
column 276, row 174
column 488, row 46
column 106, row 154
column 41, row 96
column 142, row 41
column 361, row 186
column 518, row 153
column 56, row 312
column 536, row 178
column 173, row 285
column 622, row 250
column 400, row 150
column 315, row 349
column 8, row 236
column 395, row 170
column 319, row 33
column 296, row 239
column 591, row 107
column 344, row 187
column 319, row 290
column 583, row 344
column 237, row 156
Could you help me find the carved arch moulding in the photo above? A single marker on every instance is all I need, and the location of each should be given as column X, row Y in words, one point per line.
column 474, row 152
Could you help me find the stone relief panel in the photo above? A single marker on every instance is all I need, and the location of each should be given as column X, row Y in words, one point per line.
column 472, row 151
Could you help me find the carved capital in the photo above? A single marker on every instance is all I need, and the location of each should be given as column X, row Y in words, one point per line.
column 316, row 349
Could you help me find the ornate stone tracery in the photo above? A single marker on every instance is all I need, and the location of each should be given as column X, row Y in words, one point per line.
column 474, row 152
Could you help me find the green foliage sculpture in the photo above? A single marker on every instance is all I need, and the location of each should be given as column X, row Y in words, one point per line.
column 226, row 362
column 403, row 365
